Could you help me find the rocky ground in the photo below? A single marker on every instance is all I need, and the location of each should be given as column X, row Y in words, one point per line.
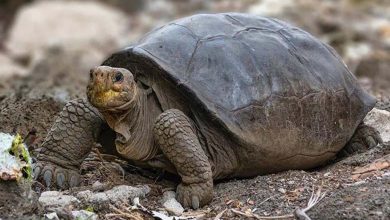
column 42, row 68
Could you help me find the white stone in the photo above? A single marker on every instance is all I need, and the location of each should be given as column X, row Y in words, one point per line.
column 84, row 195
column 380, row 120
column 170, row 204
column 11, row 166
column 97, row 184
column 124, row 193
column 117, row 195
column 91, row 26
column 168, row 195
column 271, row 7
column 83, row 214
column 99, row 199
column 51, row 216
column 357, row 51
column 55, row 199
column 51, row 194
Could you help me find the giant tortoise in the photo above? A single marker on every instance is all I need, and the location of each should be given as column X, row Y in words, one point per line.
column 214, row 96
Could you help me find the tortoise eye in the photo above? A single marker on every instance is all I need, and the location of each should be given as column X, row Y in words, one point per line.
column 118, row 77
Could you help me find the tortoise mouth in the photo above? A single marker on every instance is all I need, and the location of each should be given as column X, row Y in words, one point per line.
column 108, row 98
column 104, row 98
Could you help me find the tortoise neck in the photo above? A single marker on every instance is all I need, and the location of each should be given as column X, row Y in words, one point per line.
column 134, row 129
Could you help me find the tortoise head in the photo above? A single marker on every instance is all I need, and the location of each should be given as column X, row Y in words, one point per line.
column 111, row 88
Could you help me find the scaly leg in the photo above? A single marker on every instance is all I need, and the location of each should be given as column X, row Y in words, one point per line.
column 177, row 139
column 68, row 142
column 365, row 137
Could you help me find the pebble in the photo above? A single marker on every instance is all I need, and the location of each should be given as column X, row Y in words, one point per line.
column 97, row 184
column 51, row 216
column 83, row 214
column 124, row 193
column 55, row 199
column 84, row 196
column 170, row 203
column 98, row 201
column 380, row 120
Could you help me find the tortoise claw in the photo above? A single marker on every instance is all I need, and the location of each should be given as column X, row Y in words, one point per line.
column 55, row 176
column 370, row 141
column 195, row 202
column 47, row 177
column 194, row 195
column 74, row 180
column 37, row 170
column 60, row 177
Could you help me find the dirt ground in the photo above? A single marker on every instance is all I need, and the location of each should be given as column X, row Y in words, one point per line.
column 347, row 196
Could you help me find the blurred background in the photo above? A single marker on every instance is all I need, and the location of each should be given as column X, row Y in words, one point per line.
column 48, row 47
column 358, row 29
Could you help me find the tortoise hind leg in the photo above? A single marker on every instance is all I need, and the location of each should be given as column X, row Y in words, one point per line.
column 365, row 137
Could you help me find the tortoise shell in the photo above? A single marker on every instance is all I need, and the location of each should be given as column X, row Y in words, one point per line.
column 277, row 89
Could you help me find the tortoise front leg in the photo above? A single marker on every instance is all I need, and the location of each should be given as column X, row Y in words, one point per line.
column 68, row 142
column 177, row 139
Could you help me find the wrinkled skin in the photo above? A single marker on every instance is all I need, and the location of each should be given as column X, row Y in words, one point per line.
column 169, row 137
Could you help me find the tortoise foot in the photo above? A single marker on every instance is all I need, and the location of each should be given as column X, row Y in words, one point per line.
column 54, row 176
column 364, row 138
column 194, row 195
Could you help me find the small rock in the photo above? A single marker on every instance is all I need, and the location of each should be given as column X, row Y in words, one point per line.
column 380, row 120
column 327, row 174
column 97, row 184
column 12, row 167
column 356, row 51
column 168, row 195
column 51, row 216
column 55, row 199
column 51, row 194
column 126, row 193
column 90, row 26
column 270, row 7
column 282, row 190
column 99, row 201
column 171, row 204
column 83, row 214
column 379, row 201
column 16, row 195
column 118, row 194
column 84, row 196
